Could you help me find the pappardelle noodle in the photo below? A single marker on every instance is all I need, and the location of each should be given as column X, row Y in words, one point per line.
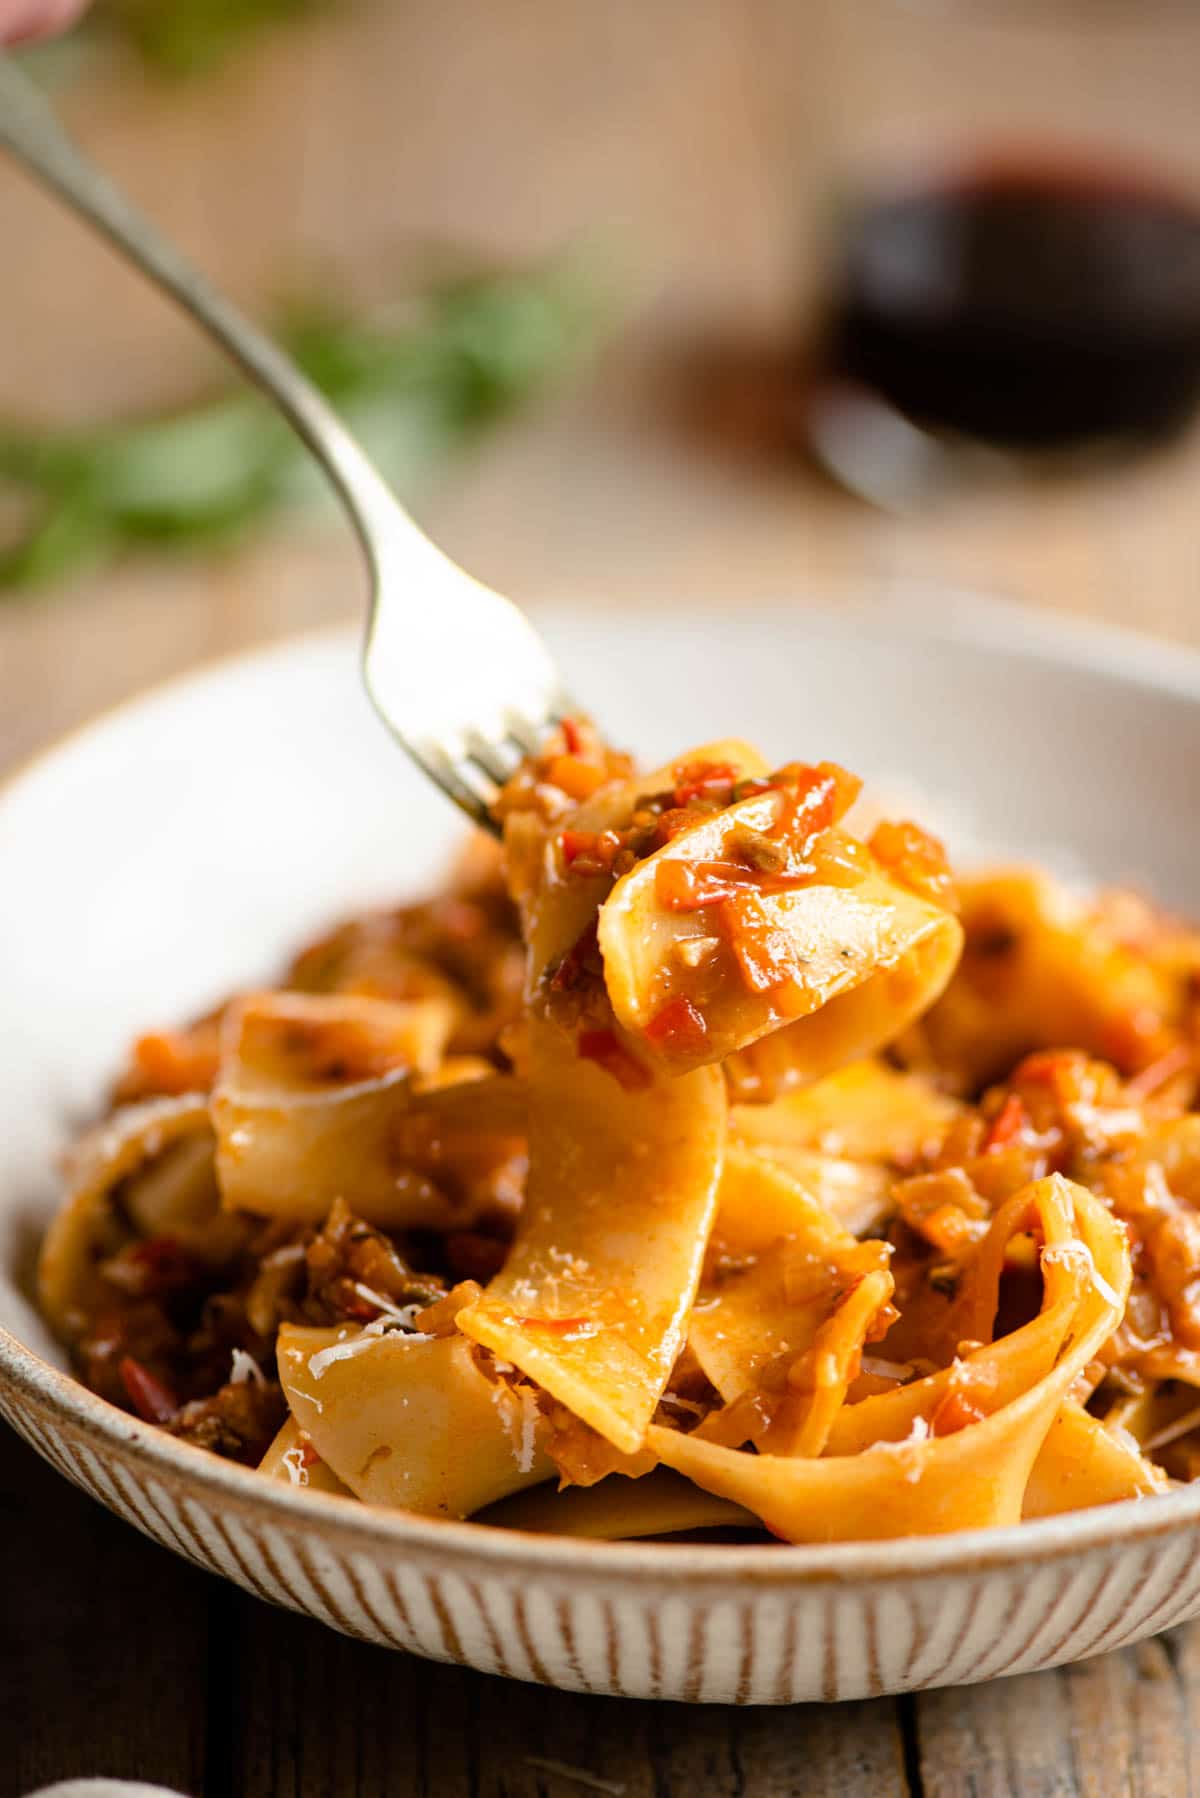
column 699, row 1162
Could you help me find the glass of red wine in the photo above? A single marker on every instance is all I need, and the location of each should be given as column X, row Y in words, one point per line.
column 1016, row 258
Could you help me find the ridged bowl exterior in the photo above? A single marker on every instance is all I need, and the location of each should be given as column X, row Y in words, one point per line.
column 693, row 1623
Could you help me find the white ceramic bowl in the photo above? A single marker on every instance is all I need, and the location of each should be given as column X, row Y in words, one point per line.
column 186, row 843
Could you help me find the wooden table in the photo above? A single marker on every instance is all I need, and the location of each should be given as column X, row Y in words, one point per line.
column 675, row 126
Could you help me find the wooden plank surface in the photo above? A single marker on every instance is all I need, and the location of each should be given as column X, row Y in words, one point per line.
column 679, row 131
column 116, row 1657
column 104, row 1641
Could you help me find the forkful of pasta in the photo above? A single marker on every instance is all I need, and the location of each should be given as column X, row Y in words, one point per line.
column 732, row 915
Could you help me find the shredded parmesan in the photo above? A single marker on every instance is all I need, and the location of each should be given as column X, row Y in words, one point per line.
column 1065, row 1254
column 342, row 1351
column 919, row 1432
column 245, row 1370
column 404, row 1315
column 529, row 1418
column 518, row 1407
column 287, row 1256
column 297, row 1472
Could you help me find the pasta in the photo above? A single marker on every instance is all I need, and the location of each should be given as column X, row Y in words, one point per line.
column 694, row 1164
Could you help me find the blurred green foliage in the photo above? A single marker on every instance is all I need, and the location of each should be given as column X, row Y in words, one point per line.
column 414, row 389
column 190, row 37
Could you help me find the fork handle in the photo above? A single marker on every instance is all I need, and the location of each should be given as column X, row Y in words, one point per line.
column 32, row 132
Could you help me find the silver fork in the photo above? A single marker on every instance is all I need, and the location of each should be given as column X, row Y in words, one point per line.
column 454, row 669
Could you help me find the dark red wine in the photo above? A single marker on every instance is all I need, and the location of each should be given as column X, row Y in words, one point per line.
column 1036, row 308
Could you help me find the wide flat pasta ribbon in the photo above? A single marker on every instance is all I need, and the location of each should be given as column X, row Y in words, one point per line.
column 318, row 1099
column 858, row 960
column 158, row 1154
column 593, row 1300
column 1083, row 1463
column 886, row 1471
column 1042, row 969
column 292, row 1460
column 864, row 1112
column 801, row 1267
column 856, row 1195
column 411, row 1421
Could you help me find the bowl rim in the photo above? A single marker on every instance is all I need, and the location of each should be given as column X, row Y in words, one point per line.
column 947, row 615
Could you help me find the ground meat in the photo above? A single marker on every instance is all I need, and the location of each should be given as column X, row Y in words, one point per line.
column 239, row 1422
column 348, row 1261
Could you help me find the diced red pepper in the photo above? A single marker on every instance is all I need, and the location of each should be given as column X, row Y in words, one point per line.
column 688, row 886
column 810, row 802
column 817, row 797
column 576, row 843
column 702, row 780
column 677, row 1025
column 916, row 859
column 1045, row 1067
column 150, row 1397
column 1007, row 1125
column 764, row 955
column 602, row 1047
column 572, row 736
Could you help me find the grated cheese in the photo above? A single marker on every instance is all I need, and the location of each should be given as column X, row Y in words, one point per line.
column 918, row 1433
column 297, row 1472
column 404, row 1315
column 1064, row 1254
column 343, row 1351
column 529, row 1418
column 245, row 1370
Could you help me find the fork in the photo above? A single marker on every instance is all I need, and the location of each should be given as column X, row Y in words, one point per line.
column 457, row 673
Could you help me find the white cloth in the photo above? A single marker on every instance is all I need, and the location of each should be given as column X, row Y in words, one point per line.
column 102, row 1788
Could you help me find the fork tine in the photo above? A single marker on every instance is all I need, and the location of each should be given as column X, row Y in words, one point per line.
column 441, row 649
column 494, row 758
column 450, row 775
column 529, row 736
